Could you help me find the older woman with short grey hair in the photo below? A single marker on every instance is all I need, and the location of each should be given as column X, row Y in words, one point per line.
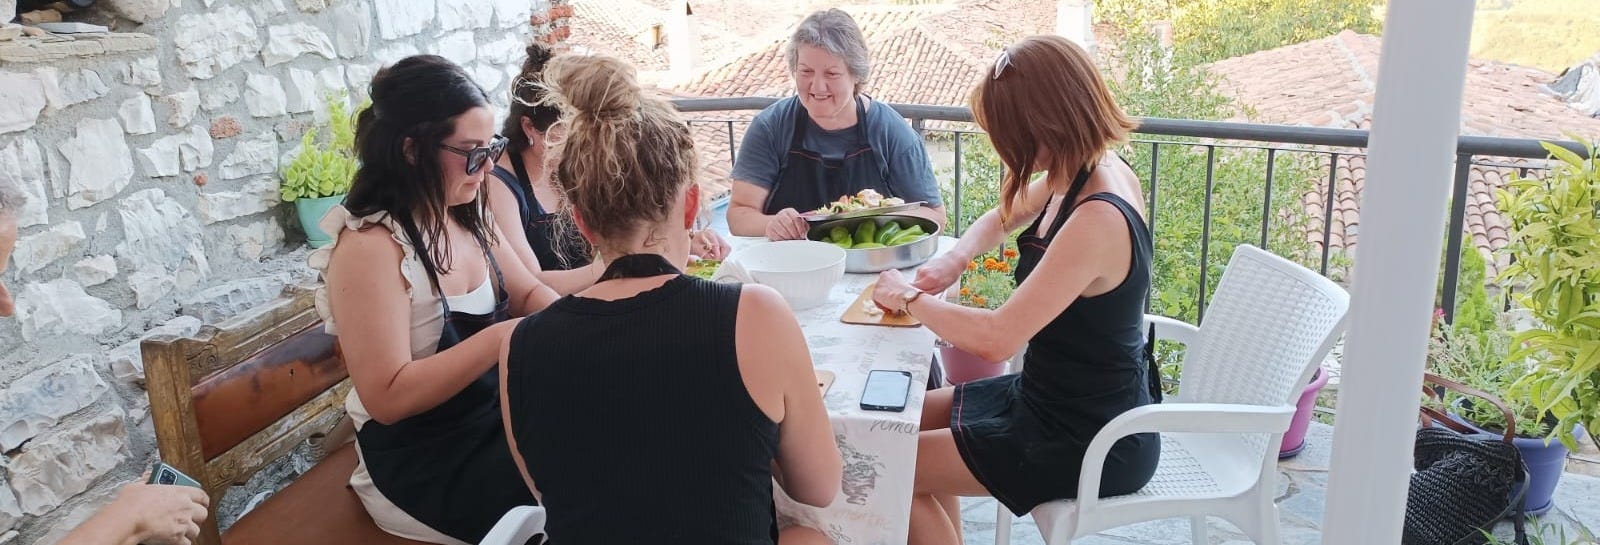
column 828, row 141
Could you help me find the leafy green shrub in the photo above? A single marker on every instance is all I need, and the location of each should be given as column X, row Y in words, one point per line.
column 1555, row 240
column 1479, row 358
column 1472, row 310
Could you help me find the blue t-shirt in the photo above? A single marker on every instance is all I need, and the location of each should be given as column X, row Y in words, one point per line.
column 899, row 149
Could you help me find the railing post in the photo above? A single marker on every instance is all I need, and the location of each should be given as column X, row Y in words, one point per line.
column 1327, row 211
column 1266, row 202
column 1150, row 210
column 1155, row 163
column 956, row 188
column 1452, row 245
column 733, row 155
column 1205, row 230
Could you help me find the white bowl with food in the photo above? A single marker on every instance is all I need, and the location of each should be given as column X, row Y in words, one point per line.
column 803, row 271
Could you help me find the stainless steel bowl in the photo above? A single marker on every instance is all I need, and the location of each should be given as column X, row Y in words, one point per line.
column 872, row 260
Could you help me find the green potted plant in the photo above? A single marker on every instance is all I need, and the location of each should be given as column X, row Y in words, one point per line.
column 319, row 176
column 1555, row 246
column 986, row 283
column 1479, row 358
column 1555, row 243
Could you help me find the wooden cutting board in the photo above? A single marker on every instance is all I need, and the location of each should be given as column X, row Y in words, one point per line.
column 857, row 314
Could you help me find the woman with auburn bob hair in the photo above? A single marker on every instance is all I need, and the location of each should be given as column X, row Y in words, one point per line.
column 1082, row 277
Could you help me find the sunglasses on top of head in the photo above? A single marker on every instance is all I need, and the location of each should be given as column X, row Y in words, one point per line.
column 481, row 155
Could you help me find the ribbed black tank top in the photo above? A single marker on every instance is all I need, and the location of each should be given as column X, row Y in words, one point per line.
column 635, row 423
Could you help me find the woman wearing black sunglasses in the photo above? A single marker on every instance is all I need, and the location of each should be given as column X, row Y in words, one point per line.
column 417, row 270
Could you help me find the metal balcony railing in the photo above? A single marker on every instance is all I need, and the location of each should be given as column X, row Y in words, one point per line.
column 1310, row 144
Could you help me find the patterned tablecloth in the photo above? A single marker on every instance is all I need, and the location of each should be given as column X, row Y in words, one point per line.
column 879, row 448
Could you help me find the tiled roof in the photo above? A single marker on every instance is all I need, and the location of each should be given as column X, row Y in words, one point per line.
column 1331, row 82
column 624, row 29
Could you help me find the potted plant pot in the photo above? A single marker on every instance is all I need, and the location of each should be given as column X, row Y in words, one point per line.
column 961, row 366
column 1546, row 463
column 1294, row 440
column 310, row 212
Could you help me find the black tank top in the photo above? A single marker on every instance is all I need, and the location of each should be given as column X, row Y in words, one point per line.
column 1091, row 363
column 556, row 248
column 633, row 419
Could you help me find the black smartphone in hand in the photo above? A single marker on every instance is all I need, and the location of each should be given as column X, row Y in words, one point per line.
column 886, row 390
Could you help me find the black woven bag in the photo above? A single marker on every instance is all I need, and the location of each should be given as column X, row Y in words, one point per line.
column 1463, row 481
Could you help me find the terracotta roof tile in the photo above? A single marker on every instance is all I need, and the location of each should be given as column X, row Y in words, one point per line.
column 1331, row 83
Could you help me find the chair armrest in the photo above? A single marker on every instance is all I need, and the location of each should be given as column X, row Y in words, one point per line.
column 1168, row 329
column 517, row 526
column 1175, row 417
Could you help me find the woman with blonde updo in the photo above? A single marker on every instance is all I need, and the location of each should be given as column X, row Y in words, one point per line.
column 687, row 397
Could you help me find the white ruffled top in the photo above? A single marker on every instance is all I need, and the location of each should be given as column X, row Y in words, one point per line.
column 427, row 323
column 427, row 315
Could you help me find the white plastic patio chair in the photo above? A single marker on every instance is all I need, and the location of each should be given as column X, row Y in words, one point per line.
column 1269, row 325
column 516, row 527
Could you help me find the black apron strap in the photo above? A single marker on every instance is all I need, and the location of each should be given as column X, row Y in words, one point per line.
column 526, row 184
column 1070, row 203
column 637, row 266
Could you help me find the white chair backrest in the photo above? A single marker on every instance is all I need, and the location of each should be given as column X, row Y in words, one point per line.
column 1267, row 328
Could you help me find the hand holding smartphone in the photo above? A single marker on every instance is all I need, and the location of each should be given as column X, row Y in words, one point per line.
column 162, row 473
column 886, row 390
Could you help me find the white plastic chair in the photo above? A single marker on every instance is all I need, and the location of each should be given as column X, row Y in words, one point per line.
column 516, row 527
column 1268, row 326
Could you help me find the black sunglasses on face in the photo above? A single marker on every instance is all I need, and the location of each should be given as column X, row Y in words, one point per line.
column 481, row 155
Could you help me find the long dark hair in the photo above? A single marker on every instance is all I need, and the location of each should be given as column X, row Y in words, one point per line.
column 527, row 95
column 417, row 98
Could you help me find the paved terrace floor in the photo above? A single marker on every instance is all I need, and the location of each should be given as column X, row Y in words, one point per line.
column 1302, row 484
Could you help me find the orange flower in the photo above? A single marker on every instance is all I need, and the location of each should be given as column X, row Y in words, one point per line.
column 1005, row 267
column 980, row 301
column 966, row 291
column 973, row 266
column 1009, row 253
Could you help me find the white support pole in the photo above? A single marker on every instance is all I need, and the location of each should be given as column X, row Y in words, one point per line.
column 1416, row 119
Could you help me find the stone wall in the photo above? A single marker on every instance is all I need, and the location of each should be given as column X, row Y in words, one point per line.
column 149, row 159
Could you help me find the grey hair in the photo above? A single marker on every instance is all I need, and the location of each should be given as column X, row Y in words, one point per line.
column 11, row 199
column 836, row 32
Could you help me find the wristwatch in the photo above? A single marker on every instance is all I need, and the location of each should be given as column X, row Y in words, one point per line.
column 906, row 299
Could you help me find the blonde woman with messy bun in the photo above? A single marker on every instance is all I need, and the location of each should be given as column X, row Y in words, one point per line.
column 526, row 204
column 656, row 407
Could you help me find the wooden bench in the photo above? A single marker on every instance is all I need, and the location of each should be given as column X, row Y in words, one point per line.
column 242, row 394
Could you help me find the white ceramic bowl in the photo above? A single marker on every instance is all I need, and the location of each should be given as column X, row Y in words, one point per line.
column 803, row 271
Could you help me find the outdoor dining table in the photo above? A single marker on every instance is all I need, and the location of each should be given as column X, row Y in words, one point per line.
column 879, row 448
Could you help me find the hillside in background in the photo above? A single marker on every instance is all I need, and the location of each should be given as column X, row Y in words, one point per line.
column 1551, row 35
